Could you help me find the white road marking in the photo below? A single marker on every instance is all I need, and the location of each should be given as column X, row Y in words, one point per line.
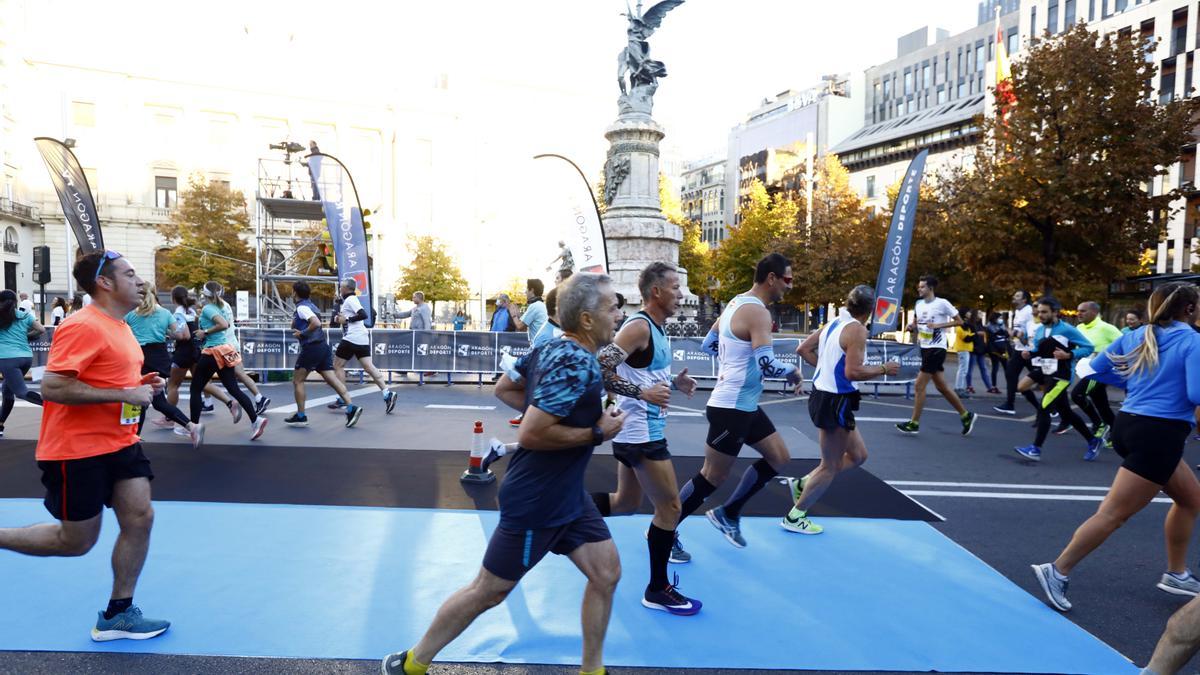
column 1017, row 495
column 1004, row 418
column 880, row 419
column 672, row 413
column 314, row 402
column 790, row 399
column 438, row 406
column 998, row 486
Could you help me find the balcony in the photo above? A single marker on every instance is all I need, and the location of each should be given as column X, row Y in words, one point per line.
column 22, row 212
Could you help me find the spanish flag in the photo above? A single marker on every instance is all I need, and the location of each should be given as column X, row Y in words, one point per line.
column 1005, row 97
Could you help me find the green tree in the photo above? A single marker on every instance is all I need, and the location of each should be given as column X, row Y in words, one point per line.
column 1058, row 197
column 205, row 233
column 765, row 220
column 693, row 253
column 431, row 271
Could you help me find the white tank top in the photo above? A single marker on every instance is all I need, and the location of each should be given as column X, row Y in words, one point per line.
column 831, row 358
column 739, row 381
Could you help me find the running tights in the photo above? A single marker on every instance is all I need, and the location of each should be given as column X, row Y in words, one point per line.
column 1056, row 399
column 1092, row 398
column 202, row 373
column 14, row 371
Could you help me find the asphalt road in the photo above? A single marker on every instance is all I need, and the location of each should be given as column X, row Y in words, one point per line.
column 1004, row 510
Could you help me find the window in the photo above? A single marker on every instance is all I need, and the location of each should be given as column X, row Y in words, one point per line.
column 887, row 88
column 1122, row 4
column 1033, row 31
column 960, row 61
column 1012, row 41
column 165, row 191
column 980, row 59
column 908, row 82
column 1068, row 14
column 961, row 91
column 11, row 241
column 941, row 95
column 1052, row 16
column 83, row 114
column 870, row 187
column 925, row 76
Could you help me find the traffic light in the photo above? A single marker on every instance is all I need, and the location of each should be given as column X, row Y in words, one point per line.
column 328, row 260
column 366, row 224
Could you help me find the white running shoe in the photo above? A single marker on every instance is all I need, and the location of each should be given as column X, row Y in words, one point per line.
column 259, row 426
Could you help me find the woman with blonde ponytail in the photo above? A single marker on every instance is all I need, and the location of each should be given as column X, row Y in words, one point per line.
column 1159, row 366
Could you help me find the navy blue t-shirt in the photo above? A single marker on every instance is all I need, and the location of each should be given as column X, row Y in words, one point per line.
column 544, row 488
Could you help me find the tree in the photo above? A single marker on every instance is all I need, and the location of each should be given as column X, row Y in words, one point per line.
column 693, row 253
column 431, row 271
column 1058, row 194
column 205, row 233
column 765, row 220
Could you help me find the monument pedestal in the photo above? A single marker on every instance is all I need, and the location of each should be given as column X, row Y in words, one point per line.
column 634, row 227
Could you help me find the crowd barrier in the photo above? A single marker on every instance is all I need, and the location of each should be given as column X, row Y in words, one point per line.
column 477, row 352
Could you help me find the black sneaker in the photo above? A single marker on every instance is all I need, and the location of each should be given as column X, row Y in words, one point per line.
column 1004, row 409
column 207, row 408
column 297, row 420
column 1, row 431
column 261, row 406
column 390, row 398
column 337, row 404
column 671, row 601
column 353, row 412
column 678, row 555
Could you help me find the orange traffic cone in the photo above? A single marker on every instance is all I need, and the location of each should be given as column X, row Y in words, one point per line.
column 475, row 473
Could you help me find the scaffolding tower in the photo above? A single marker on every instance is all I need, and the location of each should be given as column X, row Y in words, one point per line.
column 288, row 232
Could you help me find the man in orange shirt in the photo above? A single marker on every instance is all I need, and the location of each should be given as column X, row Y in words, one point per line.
column 88, row 448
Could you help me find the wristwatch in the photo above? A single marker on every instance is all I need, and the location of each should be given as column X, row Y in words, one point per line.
column 597, row 435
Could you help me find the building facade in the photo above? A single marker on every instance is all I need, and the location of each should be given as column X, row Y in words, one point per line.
column 774, row 138
column 1170, row 29
column 702, row 197
column 928, row 97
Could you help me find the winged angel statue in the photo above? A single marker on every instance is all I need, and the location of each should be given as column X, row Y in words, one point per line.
column 637, row 73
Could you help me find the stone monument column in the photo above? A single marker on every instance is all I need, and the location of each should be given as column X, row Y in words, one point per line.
column 636, row 232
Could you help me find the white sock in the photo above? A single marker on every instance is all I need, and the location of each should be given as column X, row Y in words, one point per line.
column 1058, row 575
column 207, row 400
column 1184, row 576
column 259, row 398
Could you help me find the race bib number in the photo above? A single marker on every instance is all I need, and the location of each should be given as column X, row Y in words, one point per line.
column 1048, row 366
column 130, row 414
column 925, row 333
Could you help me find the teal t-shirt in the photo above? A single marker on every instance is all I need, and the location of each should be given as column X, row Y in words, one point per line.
column 230, row 333
column 206, row 323
column 150, row 330
column 14, row 340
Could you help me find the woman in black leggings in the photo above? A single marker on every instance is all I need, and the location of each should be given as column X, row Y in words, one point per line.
column 213, row 337
column 151, row 326
column 17, row 328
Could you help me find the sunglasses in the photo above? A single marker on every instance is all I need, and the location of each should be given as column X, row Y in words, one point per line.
column 108, row 255
column 786, row 280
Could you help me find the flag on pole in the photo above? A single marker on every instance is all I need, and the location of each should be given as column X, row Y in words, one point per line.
column 344, row 218
column 73, row 193
column 1005, row 97
column 582, row 228
column 889, row 285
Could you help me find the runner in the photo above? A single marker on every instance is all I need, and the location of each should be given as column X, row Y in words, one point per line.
column 549, row 330
column 17, row 328
column 934, row 315
column 216, row 346
column 543, row 506
column 741, row 338
column 1054, row 346
column 260, row 402
column 837, row 352
column 533, row 318
column 355, row 343
column 637, row 367
column 314, row 355
column 1159, row 366
column 1089, row 395
column 151, row 326
column 92, row 388
column 187, row 350
column 1018, row 331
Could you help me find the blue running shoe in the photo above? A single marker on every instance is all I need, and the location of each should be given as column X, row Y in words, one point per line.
column 1032, row 452
column 297, row 420
column 389, row 400
column 678, row 555
column 671, row 601
column 128, row 625
column 1054, row 587
column 1094, row 445
column 728, row 526
column 353, row 412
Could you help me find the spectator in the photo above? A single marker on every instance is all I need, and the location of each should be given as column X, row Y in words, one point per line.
column 422, row 318
column 535, row 315
column 502, row 320
column 997, row 349
column 1134, row 319
column 460, row 320
column 964, row 343
column 59, row 311
column 25, row 303
column 979, row 353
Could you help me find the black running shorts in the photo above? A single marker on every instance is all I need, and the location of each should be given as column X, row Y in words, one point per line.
column 79, row 489
column 155, row 359
column 632, row 454
column 933, row 360
column 349, row 350
column 832, row 411
column 1151, row 447
column 315, row 356
column 729, row 429
column 512, row 553
column 185, row 355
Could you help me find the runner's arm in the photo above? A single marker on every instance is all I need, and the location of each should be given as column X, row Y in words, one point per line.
column 854, row 343
column 511, row 394
column 541, row 431
column 808, row 349
column 36, row 329
column 68, row 390
column 710, row 342
column 764, row 348
column 634, row 335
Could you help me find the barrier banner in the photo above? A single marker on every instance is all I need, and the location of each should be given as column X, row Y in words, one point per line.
column 392, row 349
column 265, row 349
column 785, row 351
column 686, row 353
column 909, row 357
column 41, row 347
column 516, row 344
column 433, row 351
column 474, row 352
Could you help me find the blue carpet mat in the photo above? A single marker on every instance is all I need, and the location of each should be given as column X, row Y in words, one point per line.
column 344, row 582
